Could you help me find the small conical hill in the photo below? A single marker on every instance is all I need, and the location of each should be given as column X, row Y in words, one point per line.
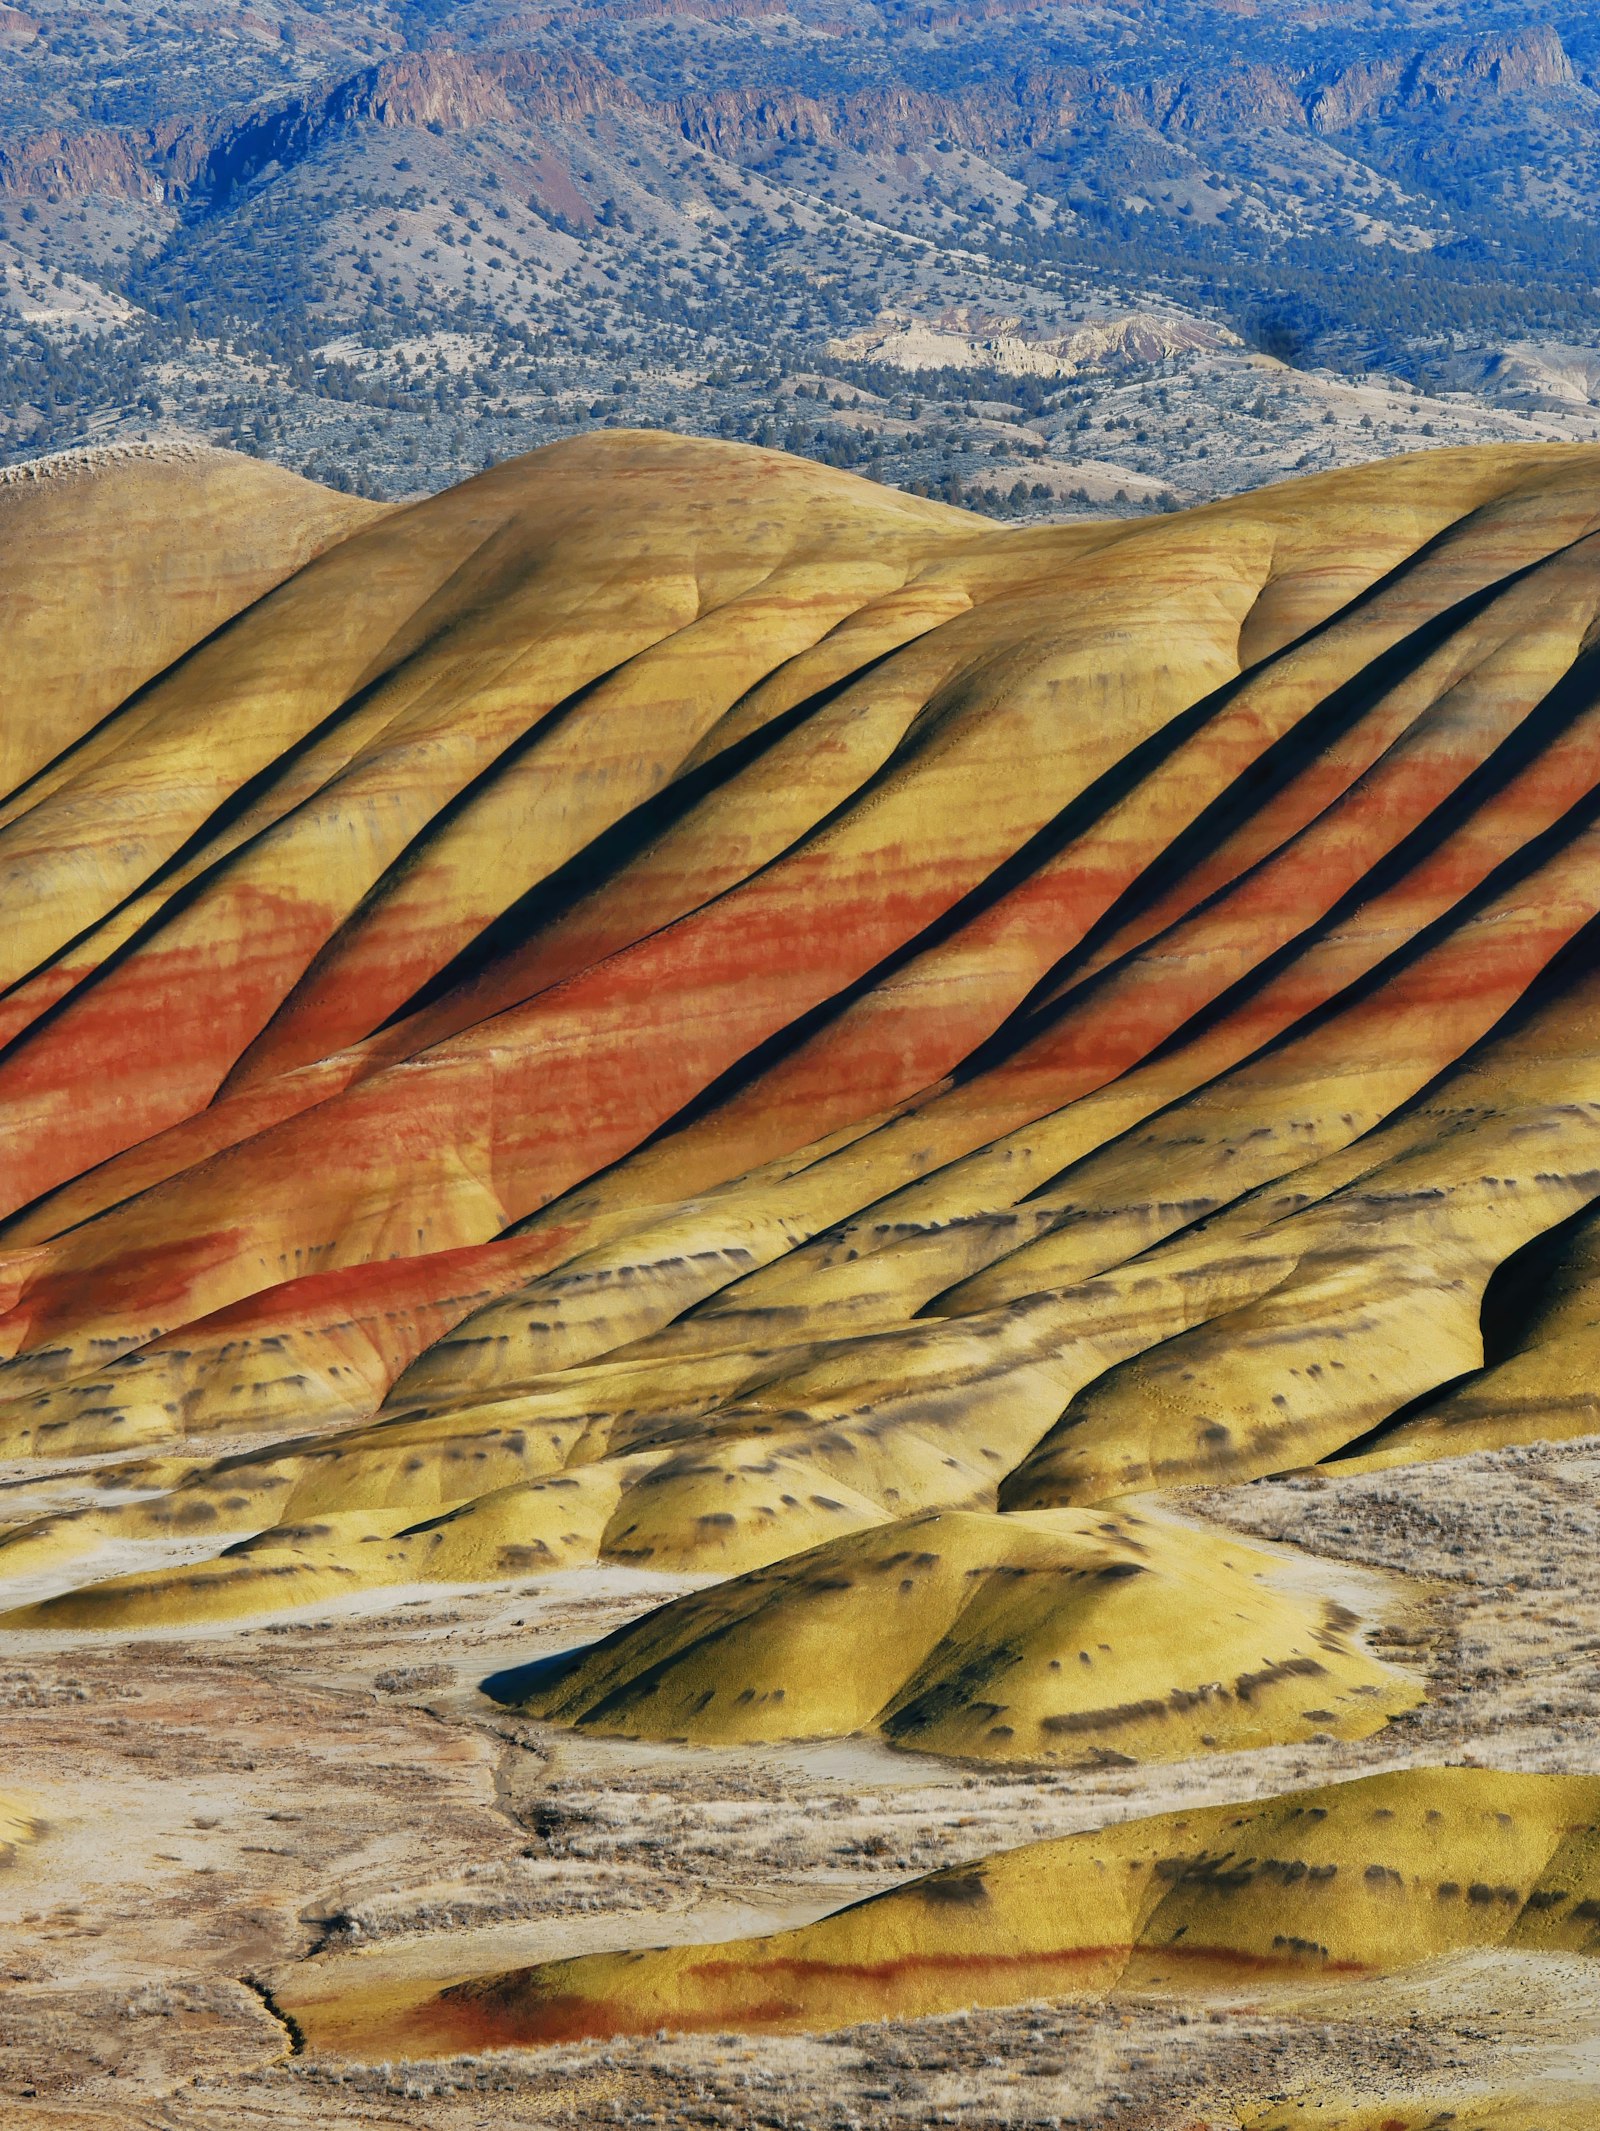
column 1058, row 1636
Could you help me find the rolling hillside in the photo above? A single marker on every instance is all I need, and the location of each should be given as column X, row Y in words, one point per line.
column 673, row 1013
column 669, row 1004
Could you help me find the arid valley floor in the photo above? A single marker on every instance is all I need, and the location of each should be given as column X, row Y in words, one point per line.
column 264, row 1783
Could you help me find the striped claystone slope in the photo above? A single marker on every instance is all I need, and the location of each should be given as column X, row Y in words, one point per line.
column 671, row 1005
column 1351, row 1883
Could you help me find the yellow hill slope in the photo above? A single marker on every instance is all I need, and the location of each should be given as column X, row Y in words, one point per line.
column 1359, row 1880
column 113, row 563
column 1565, row 2106
column 1058, row 1636
column 18, row 1827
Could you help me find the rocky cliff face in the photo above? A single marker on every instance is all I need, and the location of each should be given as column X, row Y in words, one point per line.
column 457, row 91
column 1036, row 105
column 442, row 91
column 100, row 160
column 1529, row 60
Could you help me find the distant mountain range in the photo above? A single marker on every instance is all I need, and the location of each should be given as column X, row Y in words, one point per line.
column 390, row 239
column 211, row 154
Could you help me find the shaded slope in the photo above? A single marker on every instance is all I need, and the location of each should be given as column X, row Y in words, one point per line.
column 1541, row 1320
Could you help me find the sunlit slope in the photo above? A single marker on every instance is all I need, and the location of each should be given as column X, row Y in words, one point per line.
column 1357, row 1881
column 737, row 1006
column 1058, row 1636
column 113, row 563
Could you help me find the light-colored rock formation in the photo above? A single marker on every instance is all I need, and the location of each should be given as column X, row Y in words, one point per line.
column 963, row 339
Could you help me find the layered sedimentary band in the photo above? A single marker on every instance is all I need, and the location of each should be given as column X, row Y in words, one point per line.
column 1351, row 1883
column 671, row 1005
column 1050, row 1636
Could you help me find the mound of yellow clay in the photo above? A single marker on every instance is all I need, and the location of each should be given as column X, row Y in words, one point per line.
column 1570, row 2107
column 1061, row 1635
column 18, row 1826
column 514, row 1531
column 1358, row 1880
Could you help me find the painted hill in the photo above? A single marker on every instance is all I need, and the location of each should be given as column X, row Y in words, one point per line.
column 1055, row 1635
column 672, row 1005
column 1354, row 1882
